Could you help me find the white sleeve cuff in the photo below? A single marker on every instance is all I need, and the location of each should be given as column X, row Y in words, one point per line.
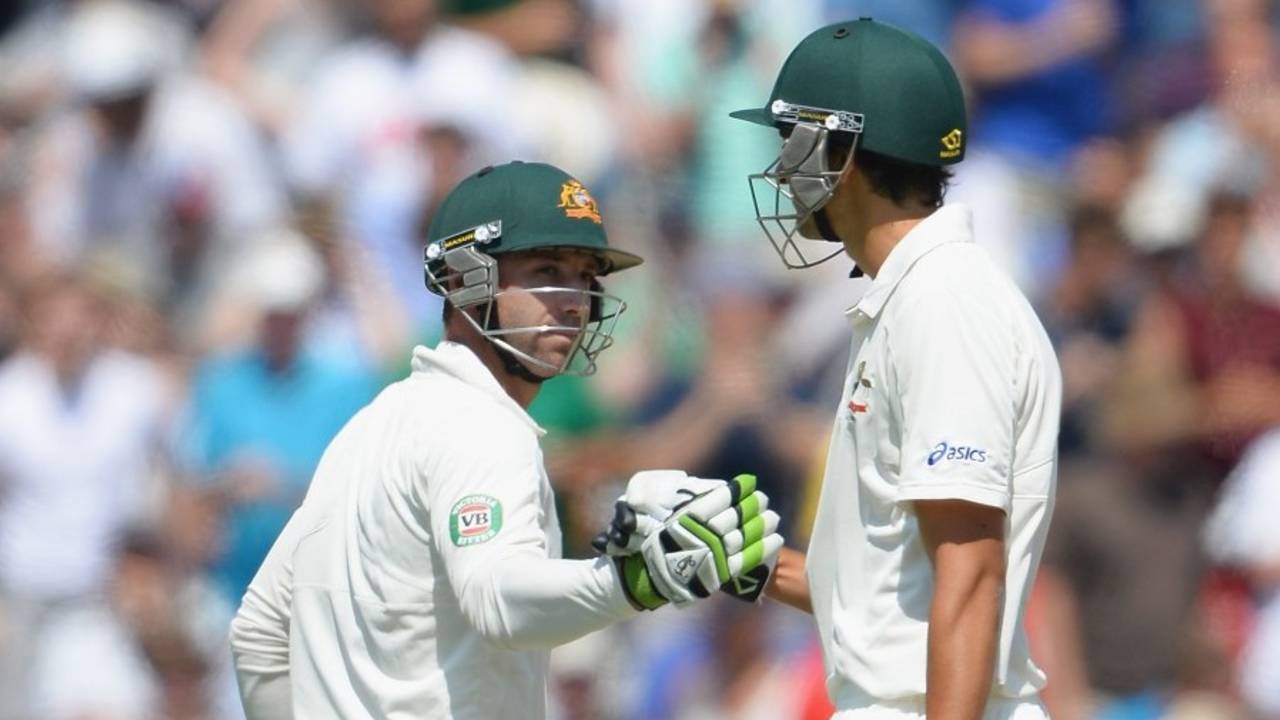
column 956, row 491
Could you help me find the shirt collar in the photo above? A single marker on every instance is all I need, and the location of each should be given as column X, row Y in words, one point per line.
column 460, row 362
column 947, row 224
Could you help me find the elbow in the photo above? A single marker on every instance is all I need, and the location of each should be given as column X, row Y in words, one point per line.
column 240, row 638
column 258, row 645
column 479, row 601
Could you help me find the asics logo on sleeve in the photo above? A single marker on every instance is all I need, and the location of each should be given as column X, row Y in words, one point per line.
column 965, row 453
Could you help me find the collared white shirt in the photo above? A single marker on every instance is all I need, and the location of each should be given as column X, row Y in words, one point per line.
column 421, row 577
column 953, row 392
column 73, row 470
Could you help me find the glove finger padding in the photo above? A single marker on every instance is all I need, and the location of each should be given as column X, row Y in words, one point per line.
column 750, row 532
column 722, row 497
column 752, row 567
column 762, row 553
column 733, row 518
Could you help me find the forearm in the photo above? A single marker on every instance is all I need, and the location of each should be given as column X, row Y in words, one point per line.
column 964, row 624
column 522, row 602
column 789, row 584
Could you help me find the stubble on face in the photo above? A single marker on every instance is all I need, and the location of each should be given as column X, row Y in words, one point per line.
column 567, row 310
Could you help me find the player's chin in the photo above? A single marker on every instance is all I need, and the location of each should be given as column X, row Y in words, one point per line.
column 554, row 349
column 809, row 229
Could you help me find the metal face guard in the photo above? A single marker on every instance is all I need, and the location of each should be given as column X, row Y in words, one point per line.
column 474, row 277
column 591, row 338
column 799, row 174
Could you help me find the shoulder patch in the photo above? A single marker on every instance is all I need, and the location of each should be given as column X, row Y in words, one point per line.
column 474, row 519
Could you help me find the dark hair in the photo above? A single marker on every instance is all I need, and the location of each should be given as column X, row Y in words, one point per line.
column 897, row 180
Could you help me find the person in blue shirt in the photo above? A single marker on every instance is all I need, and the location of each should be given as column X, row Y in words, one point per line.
column 260, row 418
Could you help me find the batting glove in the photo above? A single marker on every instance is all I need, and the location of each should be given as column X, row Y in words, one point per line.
column 650, row 498
column 723, row 537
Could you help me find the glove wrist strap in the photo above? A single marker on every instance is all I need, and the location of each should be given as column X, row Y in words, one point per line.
column 637, row 585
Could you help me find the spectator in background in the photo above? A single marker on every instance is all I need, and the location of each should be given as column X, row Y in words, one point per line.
column 1229, row 142
column 9, row 320
column 79, row 436
column 1194, row 380
column 261, row 417
column 1243, row 533
column 1041, row 93
column 1088, row 314
column 148, row 162
column 1223, row 143
column 18, row 263
column 1202, row 366
column 356, row 137
column 356, row 319
column 264, row 51
column 1123, row 544
column 528, row 27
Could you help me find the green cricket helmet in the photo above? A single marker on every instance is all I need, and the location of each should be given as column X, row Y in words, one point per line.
column 863, row 83
column 521, row 207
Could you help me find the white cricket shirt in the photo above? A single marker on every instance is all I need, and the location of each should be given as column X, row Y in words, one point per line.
column 421, row 577
column 953, row 392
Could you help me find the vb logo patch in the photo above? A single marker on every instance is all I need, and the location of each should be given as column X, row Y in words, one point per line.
column 952, row 143
column 474, row 519
column 577, row 202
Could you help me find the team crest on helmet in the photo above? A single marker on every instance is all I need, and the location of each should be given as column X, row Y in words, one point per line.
column 577, row 202
column 951, row 143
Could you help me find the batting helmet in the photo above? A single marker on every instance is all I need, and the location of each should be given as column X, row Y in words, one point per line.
column 869, row 85
column 518, row 207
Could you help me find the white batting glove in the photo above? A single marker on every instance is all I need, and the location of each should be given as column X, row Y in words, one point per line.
column 715, row 534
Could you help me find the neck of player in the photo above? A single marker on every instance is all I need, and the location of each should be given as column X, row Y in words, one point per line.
column 519, row 389
column 871, row 225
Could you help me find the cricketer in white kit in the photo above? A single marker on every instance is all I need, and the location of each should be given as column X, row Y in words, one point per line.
column 940, row 476
column 421, row 577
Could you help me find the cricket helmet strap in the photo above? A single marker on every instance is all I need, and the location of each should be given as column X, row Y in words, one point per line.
column 522, row 207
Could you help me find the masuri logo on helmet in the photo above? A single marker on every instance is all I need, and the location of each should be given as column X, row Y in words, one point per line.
column 869, row 85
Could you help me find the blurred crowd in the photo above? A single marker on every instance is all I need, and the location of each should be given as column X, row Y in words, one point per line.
column 211, row 218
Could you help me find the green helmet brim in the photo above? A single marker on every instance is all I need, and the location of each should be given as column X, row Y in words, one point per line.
column 619, row 260
column 759, row 116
